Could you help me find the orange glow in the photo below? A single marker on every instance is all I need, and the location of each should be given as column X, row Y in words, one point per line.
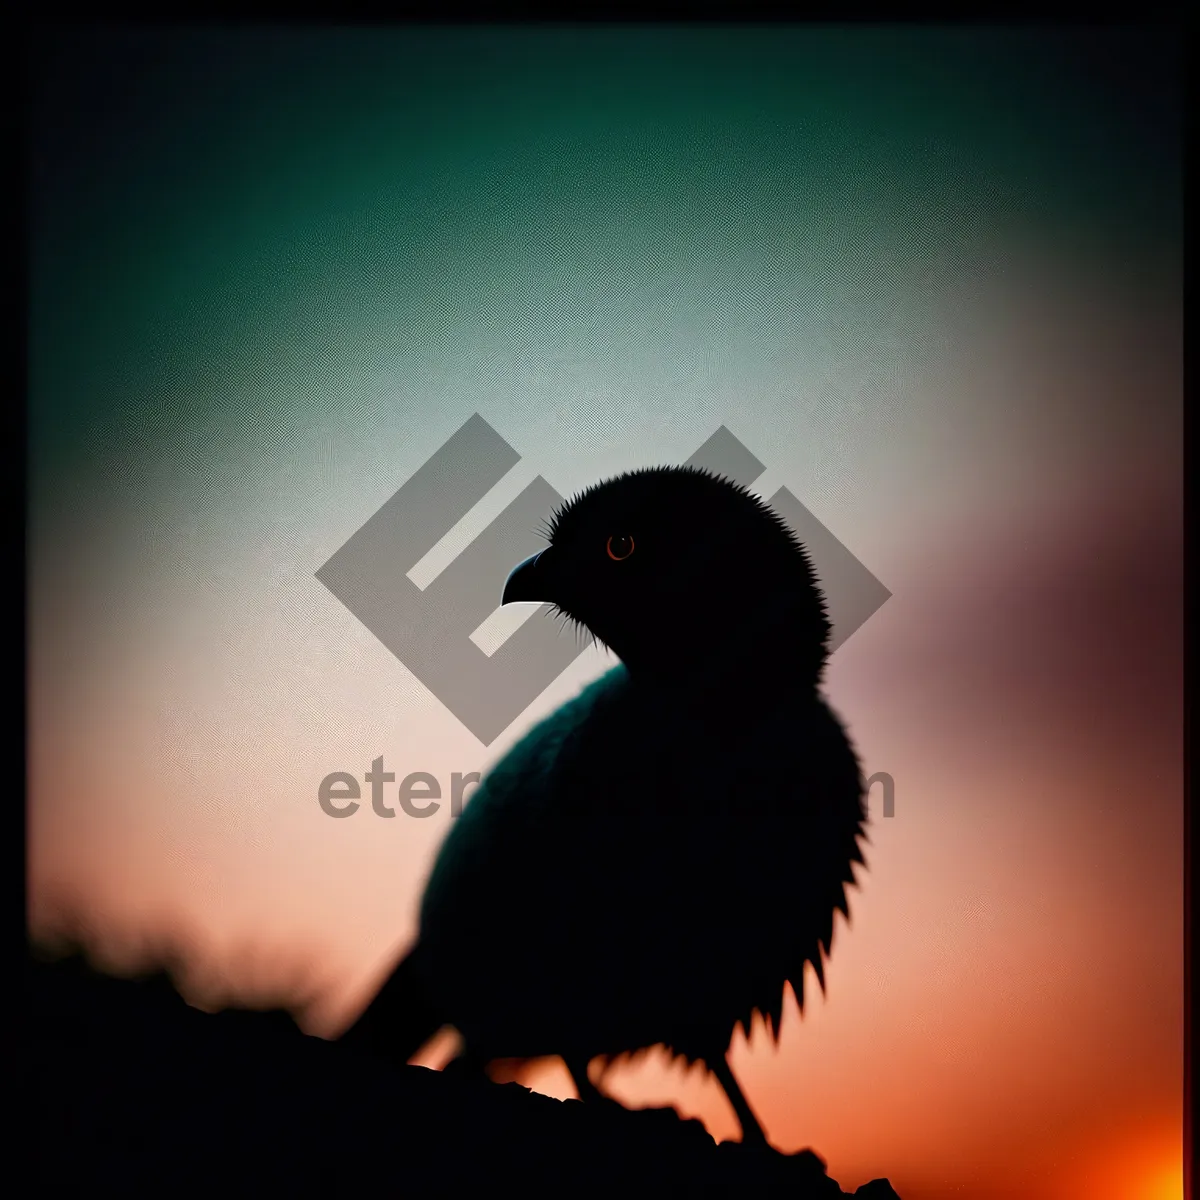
column 1166, row 1184
column 1161, row 1182
column 1141, row 1162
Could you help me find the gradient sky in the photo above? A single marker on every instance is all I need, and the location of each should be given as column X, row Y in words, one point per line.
column 931, row 278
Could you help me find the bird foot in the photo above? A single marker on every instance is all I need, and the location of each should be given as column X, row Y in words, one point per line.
column 604, row 1103
column 804, row 1170
column 649, row 1119
column 659, row 1126
column 658, row 1116
column 466, row 1070
column 750, row 1146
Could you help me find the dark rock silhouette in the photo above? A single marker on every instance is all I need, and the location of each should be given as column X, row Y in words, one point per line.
column 134, row 1091
column 658, row 858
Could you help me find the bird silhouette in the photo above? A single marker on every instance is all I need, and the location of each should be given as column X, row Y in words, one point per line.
column 656, row 858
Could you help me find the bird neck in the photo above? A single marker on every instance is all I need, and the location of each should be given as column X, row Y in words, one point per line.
column 752, row 669
column 743, row 639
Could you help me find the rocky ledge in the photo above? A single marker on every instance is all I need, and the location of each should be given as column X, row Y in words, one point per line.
column 134, row 1090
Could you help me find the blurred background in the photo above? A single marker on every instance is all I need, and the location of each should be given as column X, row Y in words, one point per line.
column 931, row 278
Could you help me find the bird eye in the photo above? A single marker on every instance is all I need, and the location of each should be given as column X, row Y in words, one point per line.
column 620, row 547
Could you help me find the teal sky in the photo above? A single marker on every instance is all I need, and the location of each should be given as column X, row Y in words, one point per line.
column 262, row 221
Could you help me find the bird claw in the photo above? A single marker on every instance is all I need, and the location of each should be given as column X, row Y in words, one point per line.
column 804, row 1169
column 754, row 1146
column 655, row 1121
column 804, row 1161
column 661, row 1116
column 465, row 1070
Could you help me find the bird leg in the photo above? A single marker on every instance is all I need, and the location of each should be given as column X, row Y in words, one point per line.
column 752, row 1131
column 588, row 1091
column 591, row 1094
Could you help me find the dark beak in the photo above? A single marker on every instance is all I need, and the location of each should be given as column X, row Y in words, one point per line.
column 527, row 582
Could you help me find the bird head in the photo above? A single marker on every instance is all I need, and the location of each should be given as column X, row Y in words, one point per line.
column 668, row 566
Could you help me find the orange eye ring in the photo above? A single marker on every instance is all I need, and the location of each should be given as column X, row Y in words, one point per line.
column 619, row 538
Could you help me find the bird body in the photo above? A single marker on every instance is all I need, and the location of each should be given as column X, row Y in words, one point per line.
column 661, row 880
column 653, row 861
